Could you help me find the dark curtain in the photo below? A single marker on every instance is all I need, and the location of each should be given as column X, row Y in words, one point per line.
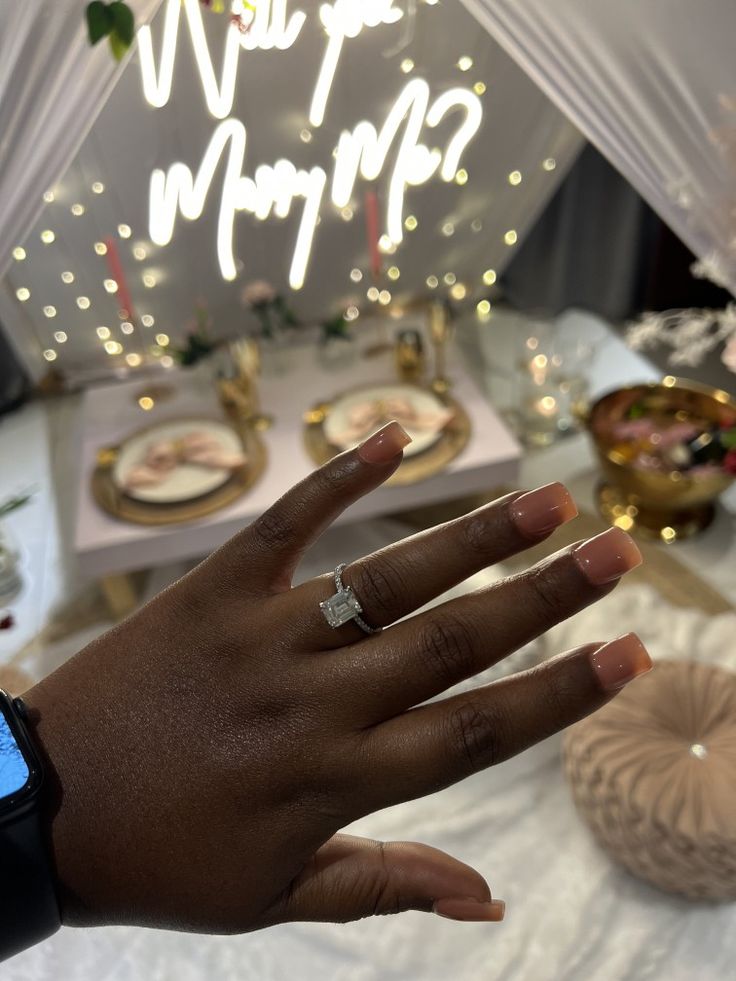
column 598, row 245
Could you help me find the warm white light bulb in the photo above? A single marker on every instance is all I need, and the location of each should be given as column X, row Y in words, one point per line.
column 432, row 282
column 98, row 187
column 459, row 291
column 393, row 272
column 83, row 302
column 410, row 223
column 100, row 248
column 162, row 340
column 49, row 311
column 103, row 333
column 515, row 178
column 384, row 298
column 489, row 277
column 549, row 164
column 356, row 275
column 47, row 236
column 465, row 63
column 372, row 294
column 77, row 209
column 140, row 253
column 450, row 279
column 133, row 359
column 49, row 354
column 23, row 294
column 406, row 65
column 147, row 320
column 67, row 277
column 19, row 254
column 110, row 285
column 127, row 327
column 511, row 237
column 149, row 280
column 48, row 196
column 60, row 336
column 124, row 231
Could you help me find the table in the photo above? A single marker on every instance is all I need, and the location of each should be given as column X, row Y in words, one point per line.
column 106, row 547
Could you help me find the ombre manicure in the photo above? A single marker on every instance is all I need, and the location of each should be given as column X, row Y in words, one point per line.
column 608, row 556
column 620, row 661
column 542, row 510
column 385, row 445
column 470, row 910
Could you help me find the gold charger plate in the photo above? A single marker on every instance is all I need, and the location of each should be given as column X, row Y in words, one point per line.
column 453, row 439
column 117, row 503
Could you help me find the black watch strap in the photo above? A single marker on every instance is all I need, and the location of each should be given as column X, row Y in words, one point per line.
column 29, row 911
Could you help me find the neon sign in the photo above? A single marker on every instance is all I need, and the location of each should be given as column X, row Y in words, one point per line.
column 273, row 189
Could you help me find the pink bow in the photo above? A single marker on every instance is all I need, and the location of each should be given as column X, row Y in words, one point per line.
column 367, row 416
column 199, row 448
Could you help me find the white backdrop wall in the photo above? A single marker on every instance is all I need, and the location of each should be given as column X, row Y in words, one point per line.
column 461, row 228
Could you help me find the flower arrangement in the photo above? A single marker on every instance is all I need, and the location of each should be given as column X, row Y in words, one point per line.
column 667, row 440
column 691, row 334
column 200, row 343
column 269, row 307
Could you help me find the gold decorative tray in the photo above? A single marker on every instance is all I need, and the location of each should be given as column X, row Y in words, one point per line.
column 116, row 502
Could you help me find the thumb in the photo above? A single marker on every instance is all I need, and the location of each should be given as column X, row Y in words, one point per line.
column 349, row 878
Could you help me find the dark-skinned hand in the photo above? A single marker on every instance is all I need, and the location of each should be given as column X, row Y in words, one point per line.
column 204, row 754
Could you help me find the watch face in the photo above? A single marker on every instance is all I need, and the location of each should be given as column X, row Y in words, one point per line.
column 19, row 770
column 14, row 772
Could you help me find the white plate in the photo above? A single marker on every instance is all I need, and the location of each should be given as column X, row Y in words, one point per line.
column 187, row 480
column 423, row 402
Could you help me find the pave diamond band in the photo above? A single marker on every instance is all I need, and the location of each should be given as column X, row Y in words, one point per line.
column 344, row 606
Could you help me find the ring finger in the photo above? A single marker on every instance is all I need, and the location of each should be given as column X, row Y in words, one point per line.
column 395, row 581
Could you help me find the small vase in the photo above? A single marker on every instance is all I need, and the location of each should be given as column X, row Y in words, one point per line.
column 10, row 578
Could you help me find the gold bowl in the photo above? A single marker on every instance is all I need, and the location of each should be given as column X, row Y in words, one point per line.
column 664, row 504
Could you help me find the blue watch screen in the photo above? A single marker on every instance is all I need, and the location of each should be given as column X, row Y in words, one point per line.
column 14, row 772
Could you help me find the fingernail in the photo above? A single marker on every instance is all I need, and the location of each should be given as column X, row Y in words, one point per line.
column 620, row 661
column 470, row 910
column 608, row 556
column 385, row 445
column 543, row 509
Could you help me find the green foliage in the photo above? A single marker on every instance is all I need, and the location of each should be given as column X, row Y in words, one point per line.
column 13, row 503
column 99, row 21
column 114, row 21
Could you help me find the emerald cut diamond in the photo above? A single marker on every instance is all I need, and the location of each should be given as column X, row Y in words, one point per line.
column 341, row 608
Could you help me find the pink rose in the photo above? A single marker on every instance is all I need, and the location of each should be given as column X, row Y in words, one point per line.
column 257, row 293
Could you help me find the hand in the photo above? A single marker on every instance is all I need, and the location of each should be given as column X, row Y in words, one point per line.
column 205, row 753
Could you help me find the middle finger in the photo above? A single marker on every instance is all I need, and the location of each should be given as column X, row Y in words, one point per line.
column 423, row 656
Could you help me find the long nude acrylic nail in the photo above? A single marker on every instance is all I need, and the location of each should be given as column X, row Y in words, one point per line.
column 620, row 661
column 385, row 445
column 470, row 910
column 606, row 557
column 542, row 510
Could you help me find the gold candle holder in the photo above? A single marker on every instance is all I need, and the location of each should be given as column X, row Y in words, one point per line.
column 238, row 386
column 439, row 330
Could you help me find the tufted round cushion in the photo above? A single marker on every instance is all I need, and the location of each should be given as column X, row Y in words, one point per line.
column 654, row 776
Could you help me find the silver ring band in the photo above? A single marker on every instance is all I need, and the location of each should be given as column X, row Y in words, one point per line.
column 344, row 606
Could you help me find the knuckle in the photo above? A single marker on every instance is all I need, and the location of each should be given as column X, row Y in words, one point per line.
column 474, row 732
column 560, row 694
column 448, row 645
column 273, row 529
column 477, row 534
column 545, row 594
column 378, row 588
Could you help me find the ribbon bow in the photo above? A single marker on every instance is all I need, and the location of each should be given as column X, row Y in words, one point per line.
column 200, row 448
column 367, row 416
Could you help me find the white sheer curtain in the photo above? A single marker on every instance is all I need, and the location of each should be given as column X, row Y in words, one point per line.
column 653, row 86
column 52, row 86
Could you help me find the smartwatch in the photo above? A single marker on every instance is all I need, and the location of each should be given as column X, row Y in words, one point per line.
column 29, row 910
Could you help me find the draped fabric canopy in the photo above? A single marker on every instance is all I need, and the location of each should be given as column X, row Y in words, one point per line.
column 52, row 86
column 653, row 86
